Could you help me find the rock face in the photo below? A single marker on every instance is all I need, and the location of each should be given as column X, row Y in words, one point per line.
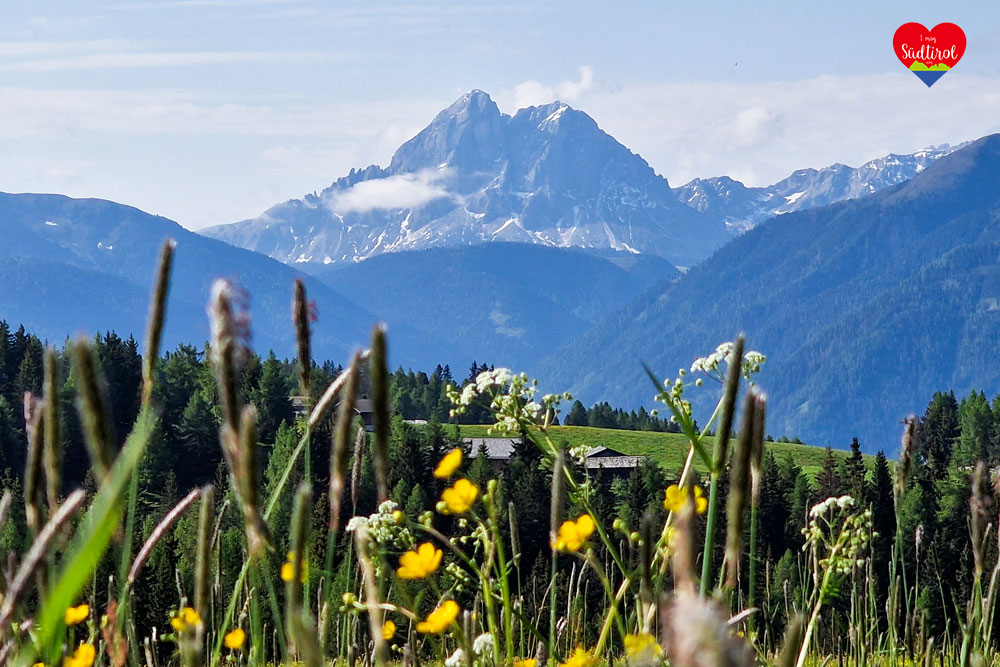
column 740, row 207
column 546, row 175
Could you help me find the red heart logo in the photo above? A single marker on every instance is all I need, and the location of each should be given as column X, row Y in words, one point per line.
column 929, row 53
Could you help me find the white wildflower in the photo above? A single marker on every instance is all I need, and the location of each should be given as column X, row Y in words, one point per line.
column 355, row 523
column 482, row 643
column 455, row 659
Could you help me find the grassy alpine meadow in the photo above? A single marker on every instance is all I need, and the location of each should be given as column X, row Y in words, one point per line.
column 669, row 450
column 290, row 569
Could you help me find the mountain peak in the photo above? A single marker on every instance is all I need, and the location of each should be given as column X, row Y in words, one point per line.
column 468, row 135
column 547, row 175
column 473, row 102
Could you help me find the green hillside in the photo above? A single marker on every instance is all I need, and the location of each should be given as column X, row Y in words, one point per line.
column 669, row 449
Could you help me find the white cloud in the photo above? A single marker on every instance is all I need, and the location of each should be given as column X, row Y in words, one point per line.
column 764, row 131
column 394, row 192
column 756, row 132
column 533, row 93
column 39, row 47
column 141, row 60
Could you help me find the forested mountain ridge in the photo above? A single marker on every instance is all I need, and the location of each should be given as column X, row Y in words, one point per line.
column 863, row 307
column 86, row 265
column 509, row 303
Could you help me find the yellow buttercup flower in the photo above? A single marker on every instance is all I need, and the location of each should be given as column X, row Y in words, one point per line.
column 642, row 649
column 288, row 569
column 574, row 534
column 459, row 498
column 449, row 464
column 184, row 619
column 676, row 497
column 82, row 657
column 439, row 619
column 580, row 658
column 420, row 563
column 234, row 640
column 527, row 662
column 76, row 615
column 388, row 630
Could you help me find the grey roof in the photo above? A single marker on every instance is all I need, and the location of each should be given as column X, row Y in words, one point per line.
column 501, row 449
column 496, row 448
column 613, row 462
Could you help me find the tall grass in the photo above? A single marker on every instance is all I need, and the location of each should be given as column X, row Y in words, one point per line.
column 448, row 584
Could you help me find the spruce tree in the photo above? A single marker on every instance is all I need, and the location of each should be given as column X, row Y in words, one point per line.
column 274, row 404
column 577, row 415
column 828, row 481
column 938, row 432
column 855, row 475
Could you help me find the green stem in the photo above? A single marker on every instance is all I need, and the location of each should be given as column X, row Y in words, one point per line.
column 752, row 598
column 553, row 600
column 706, row 563
column 504, row 574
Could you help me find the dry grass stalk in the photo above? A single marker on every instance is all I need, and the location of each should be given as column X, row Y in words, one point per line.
column 790, row 645
column 157, row 315
column 697, row 634
column 728, row 412
column 359, row 450
column 301, row 316
column 684, row 550
column 558, row 491
column 52, row 455
column 341, row 436
column 230, row 334
column 248, row 482
column 908, row 446
column 158, row 533
column 36, row 555
column 203, row 562
column 380, row 398
column 372, row 602
column 92, row 403
column 739, row 480
column 33, row 504
column 978, row 506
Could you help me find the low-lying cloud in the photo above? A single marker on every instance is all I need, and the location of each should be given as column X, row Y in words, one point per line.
column 393, row 192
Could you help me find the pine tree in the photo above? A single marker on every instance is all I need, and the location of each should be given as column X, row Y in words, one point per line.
column 828, row 481
column 577, row 415
column 197, row 444
column 800, row 500
column 976, row 428
column 417, row 502
column 938, row 432
column 481, row 469
column 883, row 523
column 855, row 475
column 273, row 400
column 775, row 507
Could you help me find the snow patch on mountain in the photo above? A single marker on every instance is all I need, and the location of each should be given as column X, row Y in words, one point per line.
column 740, row 208
column 546, row 175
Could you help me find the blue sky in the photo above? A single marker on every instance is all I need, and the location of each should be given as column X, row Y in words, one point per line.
column 209, row 111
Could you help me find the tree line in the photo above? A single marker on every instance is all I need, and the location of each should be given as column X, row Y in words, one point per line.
column 184, row 453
